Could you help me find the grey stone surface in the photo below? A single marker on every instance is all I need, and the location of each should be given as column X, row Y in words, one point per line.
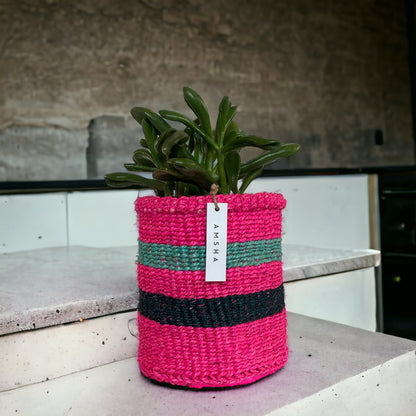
column 66, row 284
column 335, row 369
column 325, row 74
column 303, row 262
column 35, row 153
column 110, row 144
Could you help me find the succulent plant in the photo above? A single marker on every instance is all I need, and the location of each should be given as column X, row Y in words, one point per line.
column 188, row 161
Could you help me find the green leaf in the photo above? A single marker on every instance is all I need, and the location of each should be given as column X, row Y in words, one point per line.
column 222, row 116
column 136, row 167
column 191, row 143
column 144, row 144
column 222, row 176
column 138, row 114
column 173, row 175
column 142, row 113
column 167, row 175
column 226, row 113
column 123, row 180
column 184, row 185
column 232, row 131
column 197, row 105
column 176, row 138
column 233, row 126
column 188, row 162
column 195, row 190
column 232, row 135
column 193, row 172
column 239, row 142
column 268, row 157
column 162, row 137
column 151, row 136
column 149, row 133
column 182, row 151
column 200, row 150
column 232, row 164
column 249, row 178
column 140, row 155
column 174, row 116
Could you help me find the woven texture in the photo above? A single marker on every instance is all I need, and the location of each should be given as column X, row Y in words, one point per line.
column 210, row 334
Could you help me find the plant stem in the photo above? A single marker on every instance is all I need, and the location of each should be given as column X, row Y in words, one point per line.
column 222, row 176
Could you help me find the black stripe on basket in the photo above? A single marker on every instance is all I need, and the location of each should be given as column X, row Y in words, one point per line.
column 211, row 313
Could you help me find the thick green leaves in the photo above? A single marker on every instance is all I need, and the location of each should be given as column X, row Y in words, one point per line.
column 189, row 161
column 122, row 180
column 151, row 135
column 174, row 116
column 226, row 113
column 168, row 175
column 143, row 143
column 182, row 151
column 143, row 156
column 249, row 178
column 239, row 142
column 135, row 167
column 176, row 138
column 197, row 105
column 193, row 172
column 183, row 177
column 138, row 113
column 141, row 113
column 200, row 150
column 232, row 164
column 162, row 137
column 269, row 157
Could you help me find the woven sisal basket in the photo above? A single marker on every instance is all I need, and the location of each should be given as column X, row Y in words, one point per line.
column 210, row 334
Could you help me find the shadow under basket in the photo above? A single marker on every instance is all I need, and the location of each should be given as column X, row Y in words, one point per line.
column 202, row 334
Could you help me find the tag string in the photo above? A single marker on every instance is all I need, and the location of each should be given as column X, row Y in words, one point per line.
column 213, row 192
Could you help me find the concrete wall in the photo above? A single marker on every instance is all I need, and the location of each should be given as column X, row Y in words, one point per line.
column 324, row 73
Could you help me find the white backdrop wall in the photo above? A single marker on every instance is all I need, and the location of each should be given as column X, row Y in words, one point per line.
column 323, row 211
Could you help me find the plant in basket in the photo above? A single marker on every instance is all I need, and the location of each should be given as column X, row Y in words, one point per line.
column 211, row 302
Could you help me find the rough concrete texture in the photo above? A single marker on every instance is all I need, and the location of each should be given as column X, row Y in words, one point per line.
column 110, row 144
column 332, row 370
column 31, row 153
column 322, row 73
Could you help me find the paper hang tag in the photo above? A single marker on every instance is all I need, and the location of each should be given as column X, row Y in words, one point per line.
column 216, row 248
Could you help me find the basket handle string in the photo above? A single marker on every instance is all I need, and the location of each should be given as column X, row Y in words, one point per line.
column 213, row 192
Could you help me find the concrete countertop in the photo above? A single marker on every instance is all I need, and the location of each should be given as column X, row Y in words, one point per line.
column 46, row 287
column 332, row 370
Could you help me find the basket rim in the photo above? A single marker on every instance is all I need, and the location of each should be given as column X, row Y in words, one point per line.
column 236, row 202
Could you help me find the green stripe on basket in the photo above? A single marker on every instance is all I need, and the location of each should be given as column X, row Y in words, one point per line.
column 248, row 253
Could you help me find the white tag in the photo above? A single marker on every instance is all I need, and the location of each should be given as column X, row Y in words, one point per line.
column 216, row 249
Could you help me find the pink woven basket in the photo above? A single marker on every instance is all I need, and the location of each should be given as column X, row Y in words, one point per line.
column 210, row 334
